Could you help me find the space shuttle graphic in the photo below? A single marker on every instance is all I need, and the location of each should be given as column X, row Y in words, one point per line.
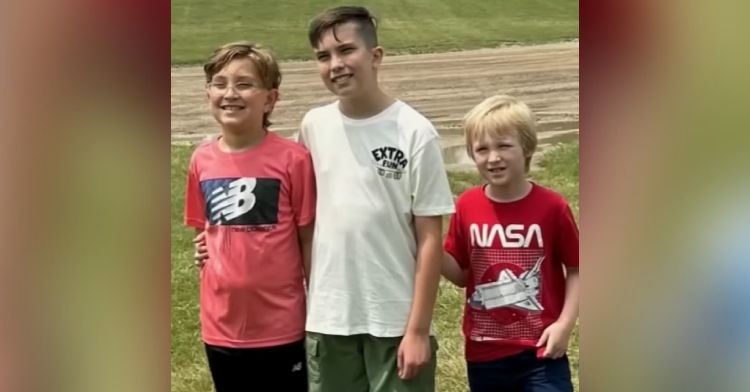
column 510, row 290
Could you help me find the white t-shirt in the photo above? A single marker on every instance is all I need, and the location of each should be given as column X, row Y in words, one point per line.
column 373, row 176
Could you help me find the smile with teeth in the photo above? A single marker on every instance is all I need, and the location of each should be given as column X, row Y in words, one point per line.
column 231, row 108
column 341, row 78
column 497, row 169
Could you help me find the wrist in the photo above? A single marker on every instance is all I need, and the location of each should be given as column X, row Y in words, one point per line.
column 568, row 323
column 418, row 331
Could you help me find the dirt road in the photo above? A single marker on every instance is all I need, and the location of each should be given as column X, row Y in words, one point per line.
column 443, row 86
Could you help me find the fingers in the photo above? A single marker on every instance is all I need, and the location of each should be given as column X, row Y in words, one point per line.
column 410, row 370
column 400, row 363
column 200, row 250
column 543, row 340
column 554, row 349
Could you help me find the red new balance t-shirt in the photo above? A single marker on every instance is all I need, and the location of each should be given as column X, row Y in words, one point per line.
column 251, row 204
column 514, row 253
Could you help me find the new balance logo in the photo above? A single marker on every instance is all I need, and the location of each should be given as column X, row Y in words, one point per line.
column 242, row 201
column 233, row 202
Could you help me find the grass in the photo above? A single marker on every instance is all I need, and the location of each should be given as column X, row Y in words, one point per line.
column 198, row 26
column 559, row 170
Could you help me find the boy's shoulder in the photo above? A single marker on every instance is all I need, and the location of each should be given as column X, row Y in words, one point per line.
column 410, row 118
column 320, row 113
column 201, row 149
column 549, row 197
column 288, row 145
column 469, row 197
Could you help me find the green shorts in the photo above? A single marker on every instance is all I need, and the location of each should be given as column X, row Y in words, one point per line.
column 362, row 363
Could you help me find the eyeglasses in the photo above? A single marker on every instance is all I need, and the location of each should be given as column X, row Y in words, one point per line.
column 222, row 87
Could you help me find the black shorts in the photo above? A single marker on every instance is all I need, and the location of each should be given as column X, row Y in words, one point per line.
column 279, row 368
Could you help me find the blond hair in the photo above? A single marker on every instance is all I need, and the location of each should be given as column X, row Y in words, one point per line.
column 265, row 63
column 498, row 116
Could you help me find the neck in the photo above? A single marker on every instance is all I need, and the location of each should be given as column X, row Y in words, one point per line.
column 237, row 141
column 510, row 192
column 365, row 105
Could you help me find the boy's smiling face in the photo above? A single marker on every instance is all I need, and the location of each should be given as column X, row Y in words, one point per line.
column 237, row 98
column 345, row 63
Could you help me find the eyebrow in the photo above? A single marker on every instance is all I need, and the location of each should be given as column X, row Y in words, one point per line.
column 241, row 78
column 337, row 47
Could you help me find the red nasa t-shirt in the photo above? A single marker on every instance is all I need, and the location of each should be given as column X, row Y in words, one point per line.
column 515, row 254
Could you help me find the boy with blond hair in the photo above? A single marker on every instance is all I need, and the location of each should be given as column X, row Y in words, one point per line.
column 377, row 251
column 251, row 198
column 513, row 245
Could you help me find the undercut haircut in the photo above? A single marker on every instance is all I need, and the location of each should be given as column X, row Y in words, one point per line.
column 366, row 24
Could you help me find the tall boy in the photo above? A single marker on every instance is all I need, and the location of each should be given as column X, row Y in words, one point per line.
column 253, row 193
column 514, row 245
column 382, row 190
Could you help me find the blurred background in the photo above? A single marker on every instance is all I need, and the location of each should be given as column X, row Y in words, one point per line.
column 664, row 183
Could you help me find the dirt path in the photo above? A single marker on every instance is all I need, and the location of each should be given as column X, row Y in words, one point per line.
column 443, row 86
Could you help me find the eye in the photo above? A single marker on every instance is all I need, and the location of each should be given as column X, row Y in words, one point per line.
column 322, row 57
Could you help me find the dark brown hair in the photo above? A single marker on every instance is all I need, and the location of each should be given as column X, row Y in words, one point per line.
column 264, row 61
column 331, row 18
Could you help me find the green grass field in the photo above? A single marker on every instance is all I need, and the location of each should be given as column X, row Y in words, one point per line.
column 198, row 26
column 189, row 373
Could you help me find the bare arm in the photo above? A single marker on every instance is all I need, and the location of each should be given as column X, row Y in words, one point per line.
column 429, row 259
column 569, row 313
column 305, row 234
column 452, row 271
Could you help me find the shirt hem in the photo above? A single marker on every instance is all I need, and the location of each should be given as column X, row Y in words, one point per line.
column 493, row 352
column 254, row 343
column 378, row 333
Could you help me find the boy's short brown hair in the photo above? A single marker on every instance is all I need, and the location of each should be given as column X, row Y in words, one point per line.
column 265, row 63
column 502, row 115
column 367, row 24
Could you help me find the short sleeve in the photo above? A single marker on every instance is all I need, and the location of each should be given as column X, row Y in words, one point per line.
column 566, row 238
column 455, row 241
column 195, row 206
column 301, row 136
column 303, row 192
column 430, row 189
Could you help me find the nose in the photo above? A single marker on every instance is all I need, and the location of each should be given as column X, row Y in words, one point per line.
column 337, row 63
column 230, row 92
column 495, row 156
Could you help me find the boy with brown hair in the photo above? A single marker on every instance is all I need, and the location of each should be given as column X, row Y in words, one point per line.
column 514, row 245
column 383, row 190
column 251, row 198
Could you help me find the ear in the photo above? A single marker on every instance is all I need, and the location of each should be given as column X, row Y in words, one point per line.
column 273, row 97
column 377, row 56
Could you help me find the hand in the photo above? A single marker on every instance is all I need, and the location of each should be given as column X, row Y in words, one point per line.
column 556, row 338
column 413, row 354
column 201, row 253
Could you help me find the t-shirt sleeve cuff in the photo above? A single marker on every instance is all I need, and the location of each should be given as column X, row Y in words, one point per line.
column 439, row 211
column 305, row 220
column 198, row 224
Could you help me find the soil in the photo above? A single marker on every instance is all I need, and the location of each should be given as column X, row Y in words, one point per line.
column 443, row 86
